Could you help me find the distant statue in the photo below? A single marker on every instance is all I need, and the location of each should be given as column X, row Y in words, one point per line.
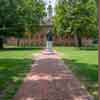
column 49, row 41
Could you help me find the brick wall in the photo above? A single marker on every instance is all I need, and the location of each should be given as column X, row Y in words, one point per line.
column 40, row 40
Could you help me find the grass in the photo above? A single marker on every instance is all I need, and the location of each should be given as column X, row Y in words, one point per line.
column 14, row 64
column 84, row 64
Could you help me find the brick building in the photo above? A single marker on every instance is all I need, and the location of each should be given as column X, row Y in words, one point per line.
column 39, row 39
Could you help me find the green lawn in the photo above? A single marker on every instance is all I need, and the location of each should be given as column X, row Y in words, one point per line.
column 84, row 64
column 14, row 64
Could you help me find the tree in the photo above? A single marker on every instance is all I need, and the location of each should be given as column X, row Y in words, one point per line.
column 20, row 16
column 76, row 17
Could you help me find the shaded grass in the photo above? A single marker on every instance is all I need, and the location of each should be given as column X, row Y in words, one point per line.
column 84, row 64
column 9, row 48
column 14, row 64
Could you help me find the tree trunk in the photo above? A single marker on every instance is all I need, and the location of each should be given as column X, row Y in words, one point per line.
column 1, row 43
column 79, row 40
column 18, row 42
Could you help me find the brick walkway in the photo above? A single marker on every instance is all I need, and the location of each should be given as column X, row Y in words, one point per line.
column 50, row 80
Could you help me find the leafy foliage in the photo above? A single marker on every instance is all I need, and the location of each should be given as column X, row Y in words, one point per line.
column 18, row 16
column 76, row 17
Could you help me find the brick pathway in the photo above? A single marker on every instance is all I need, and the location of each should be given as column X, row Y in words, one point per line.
column 50, row 80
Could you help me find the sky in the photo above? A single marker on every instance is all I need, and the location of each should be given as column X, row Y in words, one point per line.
column 52, row 2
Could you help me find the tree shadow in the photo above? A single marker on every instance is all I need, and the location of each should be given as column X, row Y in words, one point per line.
column 50, row 82
column 89, row 48
column 87, row 73
column 90, row 70
column 12, row 72
column 21, row 48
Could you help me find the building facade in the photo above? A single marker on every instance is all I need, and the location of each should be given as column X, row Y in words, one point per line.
column 39, row 39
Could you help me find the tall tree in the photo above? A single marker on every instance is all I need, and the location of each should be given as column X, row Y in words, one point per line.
column 76, row 17
column 20, row 16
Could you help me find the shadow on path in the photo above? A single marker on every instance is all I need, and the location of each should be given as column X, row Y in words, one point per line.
column 87, row 73
column 50, row 80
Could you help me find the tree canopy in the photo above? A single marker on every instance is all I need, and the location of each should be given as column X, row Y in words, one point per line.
column 76, row 17
column 17, row 16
